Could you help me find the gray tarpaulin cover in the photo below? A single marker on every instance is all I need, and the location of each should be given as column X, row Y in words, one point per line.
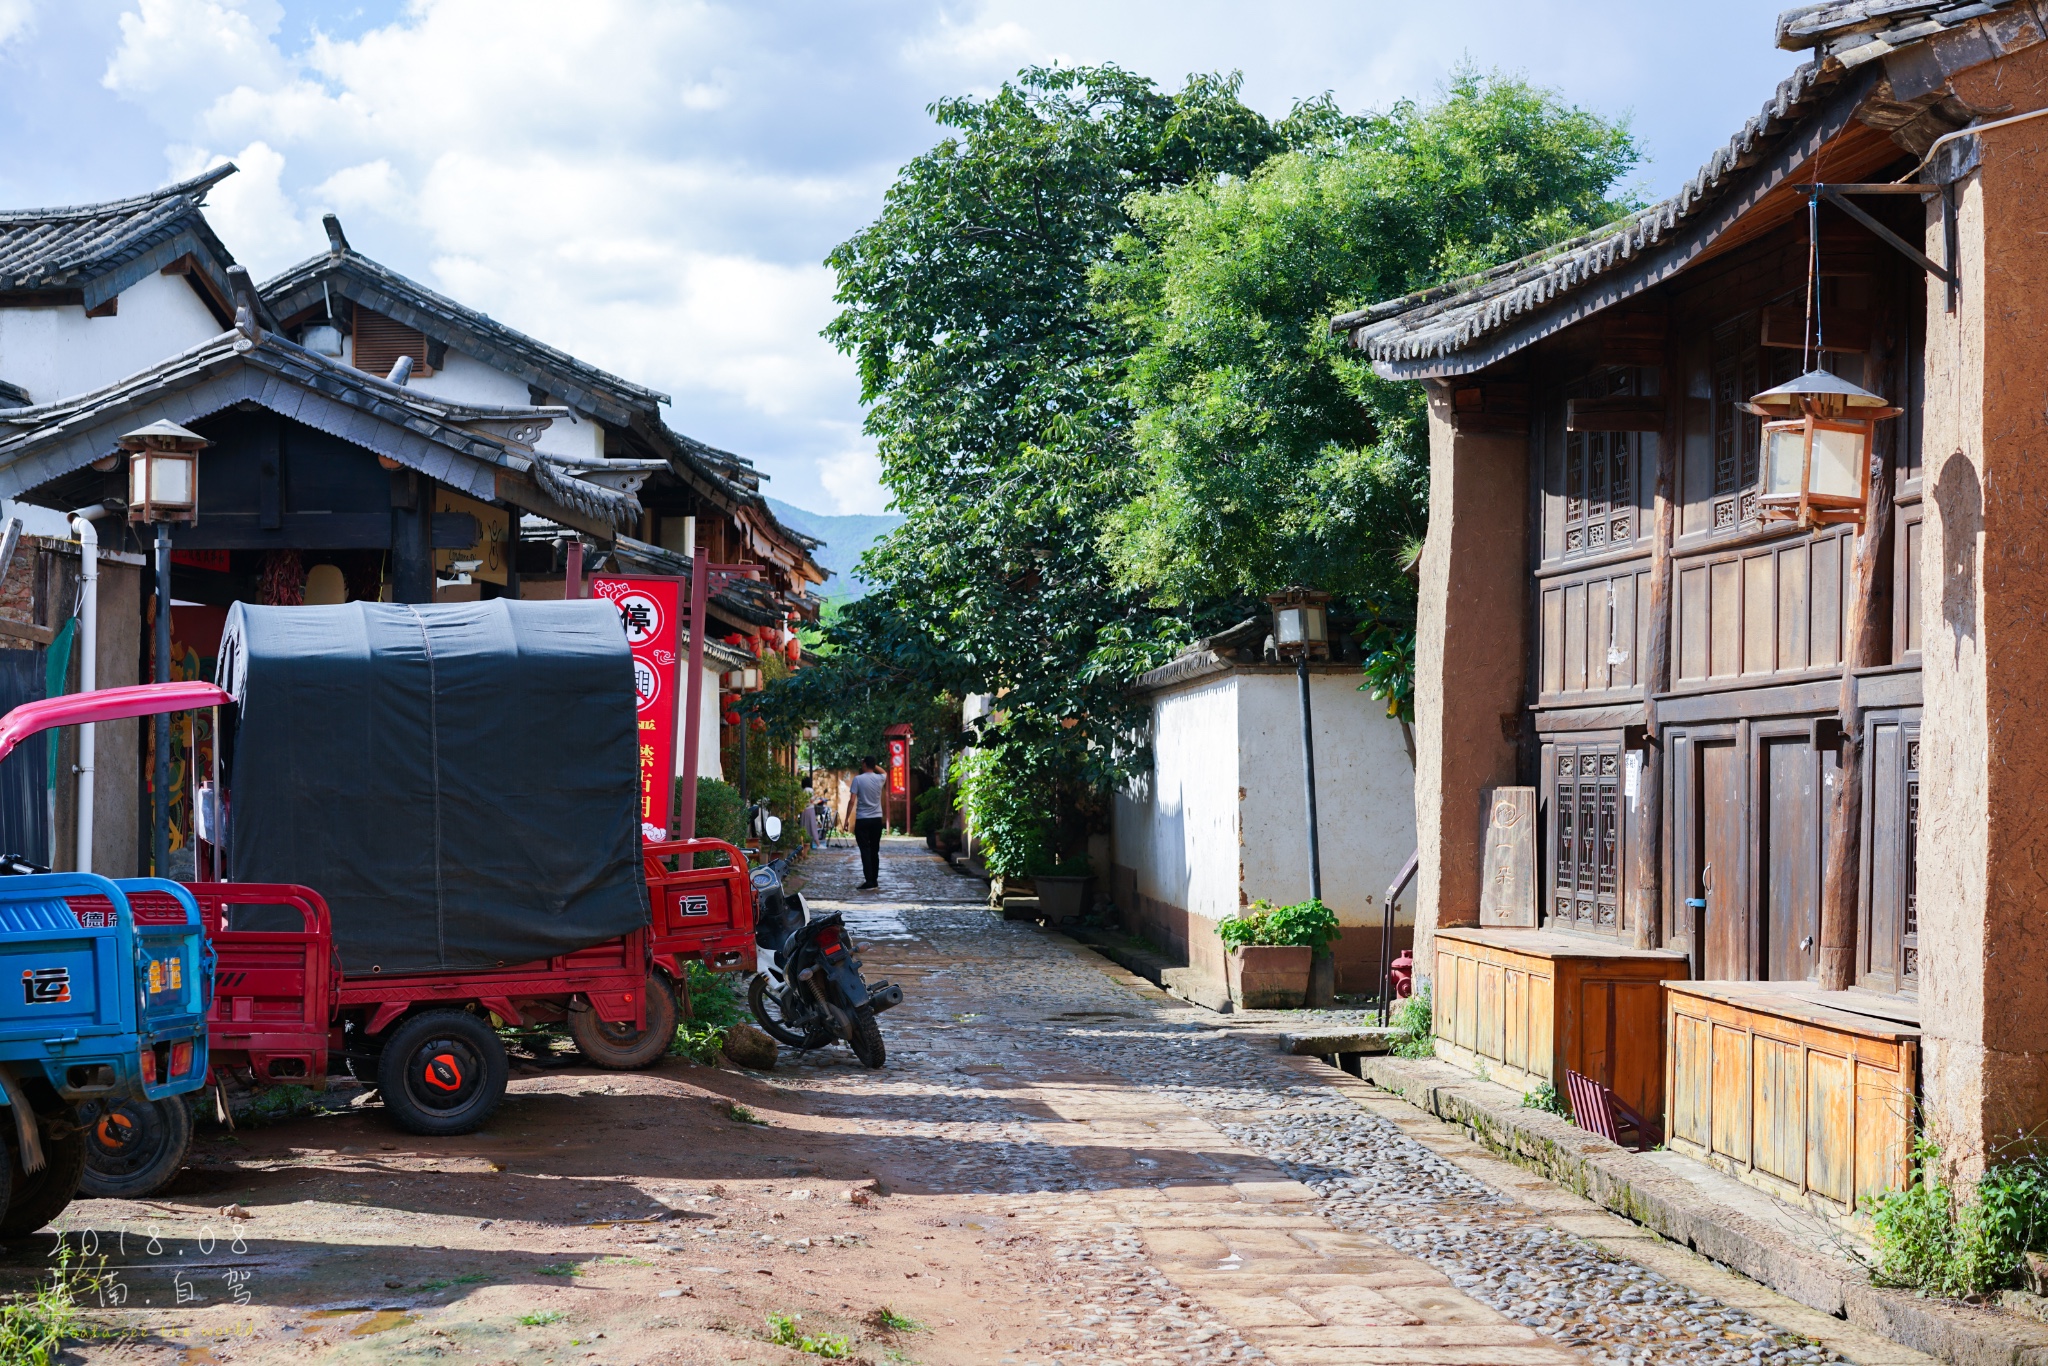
column 461, row 781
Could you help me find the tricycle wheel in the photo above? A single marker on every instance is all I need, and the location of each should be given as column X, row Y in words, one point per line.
column 768, row 1011
column 442, row 1072
column 34, row 1199
column 867, row 1038
column 620, row 1046
column 133, row 1147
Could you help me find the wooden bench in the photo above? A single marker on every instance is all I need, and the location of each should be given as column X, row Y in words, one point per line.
column 1596, row 1109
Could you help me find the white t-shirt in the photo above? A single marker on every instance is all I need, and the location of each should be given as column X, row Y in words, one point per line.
column 867, row 796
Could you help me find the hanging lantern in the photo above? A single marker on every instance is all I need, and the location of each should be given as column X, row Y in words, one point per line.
column 1301, row 623
column 1817, row 436
column 163, row 472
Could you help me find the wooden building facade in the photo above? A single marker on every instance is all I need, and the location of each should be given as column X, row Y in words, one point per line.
column 1728, row 720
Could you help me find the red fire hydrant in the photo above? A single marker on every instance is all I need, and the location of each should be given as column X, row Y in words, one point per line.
column 1402, row 974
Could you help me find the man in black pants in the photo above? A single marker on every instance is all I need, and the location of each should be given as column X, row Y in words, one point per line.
column 864, row 814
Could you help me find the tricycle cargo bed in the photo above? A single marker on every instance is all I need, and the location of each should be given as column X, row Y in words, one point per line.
column 102, row 999
column 459, row 780
column 611, row 976
column 275, row 980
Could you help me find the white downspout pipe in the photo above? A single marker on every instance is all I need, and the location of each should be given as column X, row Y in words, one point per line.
column 88, row 664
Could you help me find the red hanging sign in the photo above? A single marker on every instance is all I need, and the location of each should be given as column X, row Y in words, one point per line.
column 651, row 613
column 899, row 766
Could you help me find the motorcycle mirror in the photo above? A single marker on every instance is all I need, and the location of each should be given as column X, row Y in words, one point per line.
column 773, row 826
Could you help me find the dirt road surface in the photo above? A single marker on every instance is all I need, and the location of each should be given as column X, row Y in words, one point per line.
column 1058, row 1165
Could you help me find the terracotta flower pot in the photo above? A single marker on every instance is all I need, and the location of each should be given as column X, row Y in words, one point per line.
column 1268, row 976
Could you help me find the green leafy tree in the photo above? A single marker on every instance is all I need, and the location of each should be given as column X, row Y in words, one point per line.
column 1270, row 454
column 994, row 395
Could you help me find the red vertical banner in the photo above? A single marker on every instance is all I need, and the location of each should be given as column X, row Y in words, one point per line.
column 899, row 774
column 650, row 611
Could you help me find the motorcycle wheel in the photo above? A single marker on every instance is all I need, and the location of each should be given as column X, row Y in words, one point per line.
column 867, row 1039
column 442, row 1072
column 621, row 1047
column 133, row 1147
column 767, row 1012
column 35, row 1198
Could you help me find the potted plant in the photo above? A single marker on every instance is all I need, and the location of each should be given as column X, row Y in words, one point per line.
column 1066, row 891
column 1272, row 951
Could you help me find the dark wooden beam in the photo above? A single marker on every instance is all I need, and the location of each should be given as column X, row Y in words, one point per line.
column 1617, row 413
column 316, row 531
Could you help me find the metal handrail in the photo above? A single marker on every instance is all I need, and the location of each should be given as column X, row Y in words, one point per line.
column 1394, row 890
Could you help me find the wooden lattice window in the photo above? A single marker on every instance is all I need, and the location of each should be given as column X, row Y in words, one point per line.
column 1909, row 920
column 380, row 341
column 1586, row 838
column 1600, row 484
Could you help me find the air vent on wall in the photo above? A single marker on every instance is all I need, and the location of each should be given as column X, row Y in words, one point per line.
column 380, row 341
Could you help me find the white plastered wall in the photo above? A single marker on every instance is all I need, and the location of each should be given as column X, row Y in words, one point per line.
column 1365, row 794
column 58, row 352
column 464, row 379
column 1176, row 828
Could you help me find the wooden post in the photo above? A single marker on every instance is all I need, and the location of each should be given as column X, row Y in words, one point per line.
column 1646, row 910
column 1868, row 608
column 412, row 537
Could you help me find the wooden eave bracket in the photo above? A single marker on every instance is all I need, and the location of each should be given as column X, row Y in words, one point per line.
column 1838, row 195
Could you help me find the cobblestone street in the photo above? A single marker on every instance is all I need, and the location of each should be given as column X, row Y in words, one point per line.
column 1173, row 1190
column 1059, row 1164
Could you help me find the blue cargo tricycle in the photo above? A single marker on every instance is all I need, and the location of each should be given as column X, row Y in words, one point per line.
column 104, row 989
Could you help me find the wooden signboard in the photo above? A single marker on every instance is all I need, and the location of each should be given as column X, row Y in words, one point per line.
column 1507, row 890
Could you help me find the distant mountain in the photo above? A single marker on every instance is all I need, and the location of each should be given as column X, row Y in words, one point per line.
column 846, row 539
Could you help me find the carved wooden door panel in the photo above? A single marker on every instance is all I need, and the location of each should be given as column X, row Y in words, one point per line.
column 1721, row 847
column 1586, row 838
column 1790, row 874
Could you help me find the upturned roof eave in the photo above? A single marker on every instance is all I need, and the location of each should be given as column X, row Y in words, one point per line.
column 1467, row 326
column 604, row 396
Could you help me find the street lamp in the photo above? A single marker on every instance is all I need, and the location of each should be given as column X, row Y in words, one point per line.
column 1301, row 632
column 163, row 473
column 163, row 487
column 1817, row 436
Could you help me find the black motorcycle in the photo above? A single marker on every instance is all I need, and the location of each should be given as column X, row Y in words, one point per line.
column 808, row 990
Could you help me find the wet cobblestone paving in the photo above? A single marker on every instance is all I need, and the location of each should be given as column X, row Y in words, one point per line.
column 1178, row 1195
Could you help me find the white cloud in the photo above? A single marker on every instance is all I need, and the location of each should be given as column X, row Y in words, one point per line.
column 177, row 55
column 651, row 184
column 252, row 206
column 854, row 481
column 17, row 19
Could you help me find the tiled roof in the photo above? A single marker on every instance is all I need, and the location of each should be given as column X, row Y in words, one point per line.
column 1856, row 31
column 80, row 245
column 485, row 452
column 1469, row 322
column 1449, row 318
column 348, row 273
column 352, row 275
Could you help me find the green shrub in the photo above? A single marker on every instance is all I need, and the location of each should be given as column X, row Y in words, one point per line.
column 934, row 810
column 1546, row 1099
column 1305, row 924
column 1417, row 1024
column 1934, row 1237
column 1008, row 812
column 721, row 815
column 715, row 1007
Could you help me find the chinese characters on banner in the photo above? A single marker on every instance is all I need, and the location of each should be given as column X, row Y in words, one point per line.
column 649, row 609
column 899, row 768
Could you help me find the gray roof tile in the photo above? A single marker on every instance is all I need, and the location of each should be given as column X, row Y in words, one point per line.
column 64, row 248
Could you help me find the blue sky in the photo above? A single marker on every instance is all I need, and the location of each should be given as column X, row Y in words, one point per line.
column 652, row 184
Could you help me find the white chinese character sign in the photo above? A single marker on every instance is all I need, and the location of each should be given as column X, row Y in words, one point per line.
column 649, row 611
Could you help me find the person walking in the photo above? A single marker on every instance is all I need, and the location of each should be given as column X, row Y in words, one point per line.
column 864, row 814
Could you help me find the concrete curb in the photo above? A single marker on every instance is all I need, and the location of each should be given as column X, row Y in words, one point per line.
column 1637, row 1187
